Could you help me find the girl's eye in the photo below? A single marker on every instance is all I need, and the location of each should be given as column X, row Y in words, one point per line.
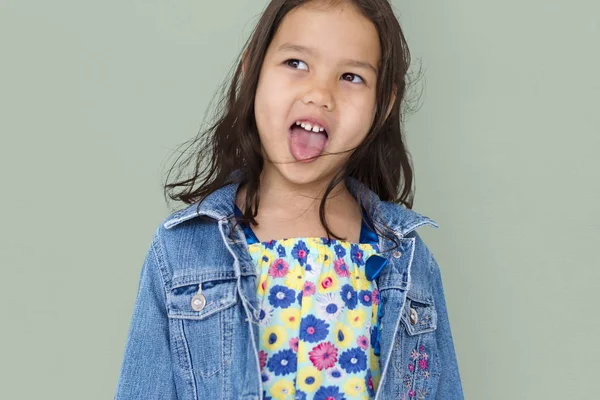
column 352, row 75
column 294, row 62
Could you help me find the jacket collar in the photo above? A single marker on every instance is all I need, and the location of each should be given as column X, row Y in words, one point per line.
column 219, row 205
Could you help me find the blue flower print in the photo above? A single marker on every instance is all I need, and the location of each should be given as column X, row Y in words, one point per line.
column 357, row 255
column 349, row 296
column 270, row 244
column 340, row 251
column 329, row 393
column 280, row 296
column 369, row 383
column 265, row 397
column 281, row 251
column 374, row 330
column 353, row 360
column 365, row 297
column 300, row 395
column 300, row 252
column 300, row 297
column 283, row 362
column 313, row 329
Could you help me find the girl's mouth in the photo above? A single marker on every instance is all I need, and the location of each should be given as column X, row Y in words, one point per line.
column 306, row 146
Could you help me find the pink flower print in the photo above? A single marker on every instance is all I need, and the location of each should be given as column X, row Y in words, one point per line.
column 376, row 297
column 412, row 393
column 370, row 384
column 341, row 268
column 327, row 282
column 423, row 363
column 415, row 354
column 411, row 367
column 421, row 348
column 294, row 344
column 309, row 289
column 262, row 358
column 363, row 342
column 323, row 356
column 278, row 269
column 424, row 355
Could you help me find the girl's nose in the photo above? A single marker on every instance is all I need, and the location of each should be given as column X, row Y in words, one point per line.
column 320, row 96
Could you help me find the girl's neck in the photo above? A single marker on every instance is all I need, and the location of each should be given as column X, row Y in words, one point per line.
column 286, row 212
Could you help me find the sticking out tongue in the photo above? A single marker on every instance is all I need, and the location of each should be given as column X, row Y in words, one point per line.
column 305, row 145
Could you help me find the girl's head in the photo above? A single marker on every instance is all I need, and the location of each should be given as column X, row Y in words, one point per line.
column 339, row 63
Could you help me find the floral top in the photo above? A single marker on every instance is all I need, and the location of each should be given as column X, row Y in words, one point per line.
column 318, row 317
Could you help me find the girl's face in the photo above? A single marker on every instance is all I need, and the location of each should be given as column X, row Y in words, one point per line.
column 320, row 65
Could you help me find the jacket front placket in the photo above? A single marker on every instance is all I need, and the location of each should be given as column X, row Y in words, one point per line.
column 247, row 278
column 393, row 283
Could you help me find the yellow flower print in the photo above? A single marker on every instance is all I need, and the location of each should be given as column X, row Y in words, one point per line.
column 307, row 303
column 288, row 243
column 255, row 248
column 328, row 282
column 359, row 279
column 303, row 349
column 274, row 337
column 374, row 314
column 282, row 389
column 373, row 361
column 290, row 317
column 309, row 379
column 367, row 248
column 266, row 258
column 325, row 257
column 376, row 379
column 345, row 245
column 343, row 335
column 357, row 317
column 355, row 386
column 295, row 278
column 262, row 283
column 313, row 241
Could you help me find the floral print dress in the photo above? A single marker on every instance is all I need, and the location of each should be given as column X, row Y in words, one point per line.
column 318, row 313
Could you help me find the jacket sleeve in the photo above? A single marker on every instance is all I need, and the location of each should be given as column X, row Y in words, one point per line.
column 449, row 384
column 146, row 370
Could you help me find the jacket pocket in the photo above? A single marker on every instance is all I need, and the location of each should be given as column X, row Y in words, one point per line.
column 420, row 369
column 201, row 313
column 419, row 316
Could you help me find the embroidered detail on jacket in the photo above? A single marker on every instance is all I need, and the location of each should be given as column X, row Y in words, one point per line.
column 421, row 364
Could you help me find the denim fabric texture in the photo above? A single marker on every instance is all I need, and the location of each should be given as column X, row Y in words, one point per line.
column 175, row 350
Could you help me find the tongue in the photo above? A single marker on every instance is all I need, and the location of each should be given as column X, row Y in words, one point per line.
column 305, row 145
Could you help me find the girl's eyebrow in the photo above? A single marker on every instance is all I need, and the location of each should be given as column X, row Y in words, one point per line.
column 290, row 47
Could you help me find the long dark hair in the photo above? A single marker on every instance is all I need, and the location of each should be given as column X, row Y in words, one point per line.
column 382, row 162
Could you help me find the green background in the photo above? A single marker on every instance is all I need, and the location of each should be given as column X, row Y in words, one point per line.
column 96, row 97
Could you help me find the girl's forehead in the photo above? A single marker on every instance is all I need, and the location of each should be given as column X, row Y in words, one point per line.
column 331, row 32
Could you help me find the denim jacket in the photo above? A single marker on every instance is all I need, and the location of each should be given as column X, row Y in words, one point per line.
column 194, row 330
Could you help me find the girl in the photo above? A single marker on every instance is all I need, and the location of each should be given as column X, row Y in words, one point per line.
column 257, row 290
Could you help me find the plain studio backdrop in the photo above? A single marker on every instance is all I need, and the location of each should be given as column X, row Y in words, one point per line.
column 96, row 96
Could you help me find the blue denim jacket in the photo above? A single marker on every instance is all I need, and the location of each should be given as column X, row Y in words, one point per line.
column 209, row 350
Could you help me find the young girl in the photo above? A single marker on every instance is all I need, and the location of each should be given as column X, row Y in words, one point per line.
column 296, row 271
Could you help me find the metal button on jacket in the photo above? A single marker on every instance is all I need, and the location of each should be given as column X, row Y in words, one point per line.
column 397, row 254
column 198, row 302
column 414, row 316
